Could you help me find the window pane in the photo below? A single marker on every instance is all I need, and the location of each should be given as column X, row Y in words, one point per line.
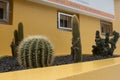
column 5, row 11
column 3, row 7
column 65, row 23
column 61, row 22
column 1, row 13
column 106, row 27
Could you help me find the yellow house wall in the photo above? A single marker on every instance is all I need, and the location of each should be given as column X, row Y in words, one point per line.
column 42, row 20
column 38, row 20
column 116, row 23
column 88, row 26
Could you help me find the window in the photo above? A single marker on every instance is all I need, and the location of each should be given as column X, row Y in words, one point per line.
column 4, row 11
column 106, row 27
column 64, row 21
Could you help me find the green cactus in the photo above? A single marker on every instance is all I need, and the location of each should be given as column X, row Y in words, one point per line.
column 18, row 37
column 13, row 49
column 76, row 49
column 35, row 51
column 20, row 31
column 105, row 47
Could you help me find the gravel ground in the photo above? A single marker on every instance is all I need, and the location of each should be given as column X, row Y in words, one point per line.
column 68, row 59
column 9, row 63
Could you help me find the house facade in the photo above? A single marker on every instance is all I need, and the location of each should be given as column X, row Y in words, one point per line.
column 52, row 18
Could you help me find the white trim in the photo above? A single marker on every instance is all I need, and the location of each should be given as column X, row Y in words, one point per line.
column 65, row 28
column 7, row 11
column 68, row 8
column 64, row 14
column 62, row 27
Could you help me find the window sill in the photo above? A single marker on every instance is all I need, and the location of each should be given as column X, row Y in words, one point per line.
column 66, row 29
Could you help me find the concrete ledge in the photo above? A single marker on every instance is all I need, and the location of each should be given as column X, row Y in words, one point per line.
column 108, row 69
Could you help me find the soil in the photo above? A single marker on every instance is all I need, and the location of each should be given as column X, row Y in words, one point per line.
column 60, row 60
column 9, row 63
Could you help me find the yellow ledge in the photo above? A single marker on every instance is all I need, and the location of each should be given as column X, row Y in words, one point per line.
column 108, row 69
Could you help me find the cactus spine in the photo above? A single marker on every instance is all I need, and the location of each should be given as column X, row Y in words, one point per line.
column 18, row 37
column 76, row 50
column 35, row 51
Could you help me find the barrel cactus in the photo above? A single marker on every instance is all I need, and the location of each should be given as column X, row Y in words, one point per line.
column 35, row 51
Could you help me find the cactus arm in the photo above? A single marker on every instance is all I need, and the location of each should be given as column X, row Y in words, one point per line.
column 13, row 48
column 20, row 31
column 16, row 37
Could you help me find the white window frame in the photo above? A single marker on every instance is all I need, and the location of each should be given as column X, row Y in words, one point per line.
column 62, row 27
column 6, row 18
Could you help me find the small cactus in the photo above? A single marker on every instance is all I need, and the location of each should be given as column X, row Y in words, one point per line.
column 76, row 49
column 35, row 51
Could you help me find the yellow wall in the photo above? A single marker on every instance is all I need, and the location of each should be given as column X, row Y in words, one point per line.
column 88, row 26
column 116, row 23
column 38, row 20
column 42, row 20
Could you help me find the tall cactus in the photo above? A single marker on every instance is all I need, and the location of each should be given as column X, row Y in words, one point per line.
column 35, row 51
column 18, row 37
column 76, row 49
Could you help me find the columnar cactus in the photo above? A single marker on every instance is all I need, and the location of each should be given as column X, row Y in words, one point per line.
column 18, row 37
column 35, row 51
column 76, row 50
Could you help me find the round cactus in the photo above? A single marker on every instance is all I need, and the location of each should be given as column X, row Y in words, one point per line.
column 35, row 51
